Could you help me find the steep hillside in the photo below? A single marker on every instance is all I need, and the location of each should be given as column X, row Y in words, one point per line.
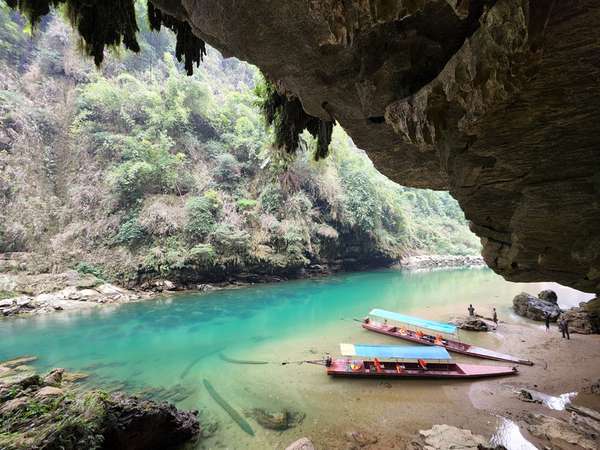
column 138, row 171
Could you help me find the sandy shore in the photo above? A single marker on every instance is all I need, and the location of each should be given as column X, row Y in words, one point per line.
column 561, row 366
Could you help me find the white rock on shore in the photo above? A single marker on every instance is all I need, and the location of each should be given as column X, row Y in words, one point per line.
column 440, row 261
column 38, row 294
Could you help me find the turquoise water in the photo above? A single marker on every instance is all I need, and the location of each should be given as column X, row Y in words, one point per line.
column 167, row 347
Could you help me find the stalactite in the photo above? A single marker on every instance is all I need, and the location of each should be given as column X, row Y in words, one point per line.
column 289, row 120
column 100, row 24
column 189, row 46
column 110, row 23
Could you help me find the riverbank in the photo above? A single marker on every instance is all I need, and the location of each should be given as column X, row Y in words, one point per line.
column 25, row 293
column 170, row 345
column 422, row 262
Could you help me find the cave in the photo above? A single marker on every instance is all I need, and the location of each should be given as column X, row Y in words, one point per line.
column 495, row 101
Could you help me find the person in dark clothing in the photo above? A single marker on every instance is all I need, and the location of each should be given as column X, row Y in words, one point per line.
column 547, row 320
column 471, row 310
column 495, row 317
column 564, row 328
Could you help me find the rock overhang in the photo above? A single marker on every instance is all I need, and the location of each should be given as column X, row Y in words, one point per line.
column 496, row 101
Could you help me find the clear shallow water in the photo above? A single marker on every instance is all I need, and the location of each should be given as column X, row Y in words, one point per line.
column 176, row 342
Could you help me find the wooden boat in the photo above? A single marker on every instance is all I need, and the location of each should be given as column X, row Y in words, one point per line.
column 428, row 332
column 388, row 361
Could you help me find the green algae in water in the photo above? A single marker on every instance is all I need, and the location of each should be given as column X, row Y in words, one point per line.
column 237, row 418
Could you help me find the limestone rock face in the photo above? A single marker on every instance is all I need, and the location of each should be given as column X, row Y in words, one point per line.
column 495, row 101
column 535, row 308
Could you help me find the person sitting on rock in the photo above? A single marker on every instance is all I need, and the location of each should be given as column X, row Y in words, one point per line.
column 471, row 311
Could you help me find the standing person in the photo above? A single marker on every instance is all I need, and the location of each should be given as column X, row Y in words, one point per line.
column 547, row 320
column 471, row 310
column 564, row 328
column 495, row 317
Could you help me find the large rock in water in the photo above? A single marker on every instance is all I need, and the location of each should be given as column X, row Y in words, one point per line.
column 585, row 319
column 535, row 308
column 496, row 101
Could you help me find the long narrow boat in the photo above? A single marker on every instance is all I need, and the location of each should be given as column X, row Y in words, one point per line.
column 428, row 332
column 389, row 361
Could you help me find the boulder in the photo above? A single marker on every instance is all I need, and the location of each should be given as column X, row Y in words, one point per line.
column 301, row 444
column 54, row 377
column 159, row 285
column 584, row 319
column 534, row 308
column 110, row 290
column 548, row 295
column 49, row 391
column 140, row 424
column 447, row 437
column 7, row 302
column 360, row 439
column 470, row 323
column 71, row 293
column 89, row 295
column 14, row 405
column 595, row 388
column 561, row 434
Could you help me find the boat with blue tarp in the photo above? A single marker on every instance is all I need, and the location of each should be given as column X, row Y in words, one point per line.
column 390, row 361
column 429, row 332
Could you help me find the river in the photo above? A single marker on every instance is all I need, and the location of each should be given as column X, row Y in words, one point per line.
column 176, row 342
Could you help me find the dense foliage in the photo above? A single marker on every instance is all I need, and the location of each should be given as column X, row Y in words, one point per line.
column 139, row 170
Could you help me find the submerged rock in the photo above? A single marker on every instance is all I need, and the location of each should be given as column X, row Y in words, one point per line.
column 18, row 361
column 276, row 420
column 301, row 444
column 535, row 308
column 360, row 439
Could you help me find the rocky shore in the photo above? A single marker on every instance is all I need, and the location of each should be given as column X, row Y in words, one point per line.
column 440, row 261
column 51, row 412
column 583, row 319
column 23, row 291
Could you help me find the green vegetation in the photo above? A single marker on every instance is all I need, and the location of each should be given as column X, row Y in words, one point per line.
column 139, row 171
column 7, row 294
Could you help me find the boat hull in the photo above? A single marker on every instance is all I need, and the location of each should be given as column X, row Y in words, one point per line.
column 451, row 346
column 341, row 368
